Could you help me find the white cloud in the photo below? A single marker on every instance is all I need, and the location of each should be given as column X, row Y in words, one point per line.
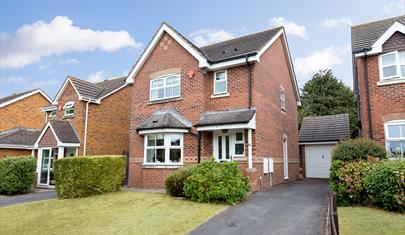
column 208, row 36
column 290, row 27
column 98, row 76
column 69, row 61
column 32, row 42
column 333, row 23
column 322, row 59
column 13, row 80
column 394, row 7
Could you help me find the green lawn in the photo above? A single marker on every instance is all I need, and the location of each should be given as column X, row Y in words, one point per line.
column 121, row 212
column 363, row 220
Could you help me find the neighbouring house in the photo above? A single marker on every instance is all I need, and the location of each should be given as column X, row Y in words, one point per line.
column 84, row 119
column 20, row 119
column 235, row 100
column 379, row 81
column 317, row 136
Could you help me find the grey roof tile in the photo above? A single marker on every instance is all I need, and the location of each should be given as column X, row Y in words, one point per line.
column 365, row 35
column 165, row 118
column 19, row 136
column 223, row 117
column 97, row 90
column 65, row 131
column 325, row 128
column 14, row 96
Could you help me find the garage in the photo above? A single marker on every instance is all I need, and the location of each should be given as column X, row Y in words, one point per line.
column 318, row 135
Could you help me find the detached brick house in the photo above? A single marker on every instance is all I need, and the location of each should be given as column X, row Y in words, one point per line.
column 84, row 119
column 233, row 101
column 20, row 119
column 379, row 81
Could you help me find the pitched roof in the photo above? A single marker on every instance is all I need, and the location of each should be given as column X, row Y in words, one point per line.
column 365, row 35
column 163, row 119
column 64, row 131
column 240, row 46
column 16, row 97
column 99, row 89
column 19, row 136
column 224, row 117
column 325, row 128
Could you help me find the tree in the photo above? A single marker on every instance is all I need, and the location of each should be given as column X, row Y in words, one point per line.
column 324, row 94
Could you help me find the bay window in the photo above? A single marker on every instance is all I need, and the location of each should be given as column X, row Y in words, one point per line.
column 392, row 65
column 220, row 82
column 395, row 137
column 165, row 87
column 163, row 148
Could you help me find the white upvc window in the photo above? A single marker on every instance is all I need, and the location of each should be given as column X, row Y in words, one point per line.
column 239, row 143
column 165, row 87
column 282, row 99
column 69, row 109
column 395, row 137
column 164, row 149
column 220, row 82
column 52, row 114
column 392, row 65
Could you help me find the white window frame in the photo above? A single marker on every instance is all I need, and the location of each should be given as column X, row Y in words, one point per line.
column 282, row 99
column 69, row 106
column 388, row 139
column 232, row 142
column 238, row 142
column 164, row 78
column 166, row 146
column 226, row 82
column 397, row 65
column 52, row 115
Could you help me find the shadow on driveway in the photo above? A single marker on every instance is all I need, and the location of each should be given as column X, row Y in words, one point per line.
column 295, row 208
column 35, row 195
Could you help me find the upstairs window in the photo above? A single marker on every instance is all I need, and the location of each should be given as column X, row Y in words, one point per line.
column 165, row 87
column 392, row 65
column 52, row 114
column 220, row 83
column 69, row 109
column 395, row 137
column 282, row 99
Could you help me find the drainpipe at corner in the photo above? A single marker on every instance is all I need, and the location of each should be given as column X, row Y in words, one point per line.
column 85, row 128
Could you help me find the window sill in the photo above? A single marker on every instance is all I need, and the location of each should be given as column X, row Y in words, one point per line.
column 220, row 96
column 239, row 159
column 70, row 116
column 162, row 166
column 151, row 102
column 391, row 81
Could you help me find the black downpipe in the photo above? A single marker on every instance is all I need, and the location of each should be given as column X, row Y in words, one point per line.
column 199, row 147
column 370, row 129
column 249, row 80
column 357, row 94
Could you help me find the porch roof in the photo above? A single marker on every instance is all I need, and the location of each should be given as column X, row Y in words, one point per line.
column 64, row 131
column 165, row 119
column 226, row 117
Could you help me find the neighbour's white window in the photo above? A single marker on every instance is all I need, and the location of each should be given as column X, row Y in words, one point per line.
column 52, row 114
column 239, row 143
column 220, row 82
column 164, row 148
column 392, row 65
column 165, row 87
column 69, row 109
column 282, row 99
column 395, row 137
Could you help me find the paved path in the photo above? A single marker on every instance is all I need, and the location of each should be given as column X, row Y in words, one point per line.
column 296, row 208
column 36, row 195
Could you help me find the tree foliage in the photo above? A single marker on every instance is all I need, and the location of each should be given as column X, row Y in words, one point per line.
column 324, row 94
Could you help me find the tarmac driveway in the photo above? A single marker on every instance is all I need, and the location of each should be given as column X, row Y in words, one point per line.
column 295, row 208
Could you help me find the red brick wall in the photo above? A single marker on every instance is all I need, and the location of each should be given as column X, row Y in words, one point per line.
column 48, row 139
column 24, row 113
column 387, row 102
column 14, row 152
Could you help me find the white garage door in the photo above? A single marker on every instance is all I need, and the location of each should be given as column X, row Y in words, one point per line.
column 318, row 159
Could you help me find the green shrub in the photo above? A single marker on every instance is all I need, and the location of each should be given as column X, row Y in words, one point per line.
column 175, row 181
column 358, row 149
column 86, row 176
column 216, row 182
column 348, row 181
column 17, row 174
column 386, row 185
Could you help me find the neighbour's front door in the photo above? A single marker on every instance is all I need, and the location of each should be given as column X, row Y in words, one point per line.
column 48, row 156
column 223, row 151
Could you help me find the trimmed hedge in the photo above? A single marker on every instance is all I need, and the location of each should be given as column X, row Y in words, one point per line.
column 358, row 149
column 175, row 181
column 216, row 182
column 86, row 176
column 17, row 174
column 386, row 185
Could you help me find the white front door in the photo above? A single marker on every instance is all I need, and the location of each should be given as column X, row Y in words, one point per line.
column 318, row 159
column 285, row 158
column 223, row 147
column 45, row 173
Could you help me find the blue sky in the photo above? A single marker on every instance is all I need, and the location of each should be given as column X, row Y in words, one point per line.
column 44, row 41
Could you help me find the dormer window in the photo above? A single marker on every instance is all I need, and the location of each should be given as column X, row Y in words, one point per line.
column 165, row 87
column 69, row 109
column 52, row 114
column 220, row 83
column 392, row 65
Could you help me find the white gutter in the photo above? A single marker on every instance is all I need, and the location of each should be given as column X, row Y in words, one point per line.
column 85, row 128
